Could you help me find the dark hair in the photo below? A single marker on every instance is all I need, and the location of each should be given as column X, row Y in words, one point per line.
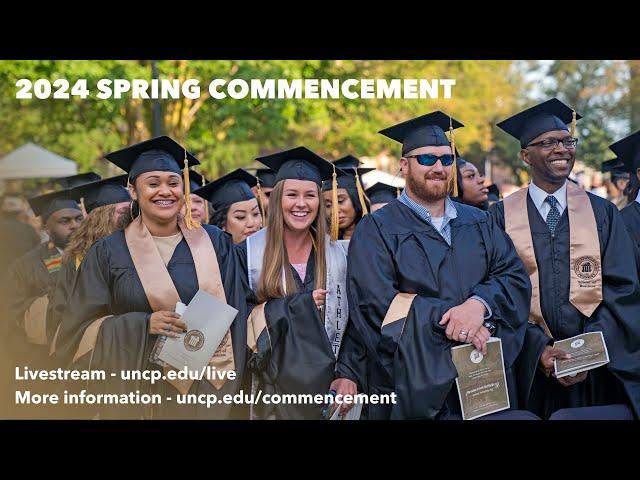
column 460, row 162
column 631, row 190
column 219, row 217
column 355, row 201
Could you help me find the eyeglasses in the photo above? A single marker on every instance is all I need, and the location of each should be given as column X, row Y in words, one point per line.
column 429, row 160
column 552, row 143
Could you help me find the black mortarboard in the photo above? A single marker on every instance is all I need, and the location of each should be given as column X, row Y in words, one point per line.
column 544, row 117
column 101, row 193
column 266, row 176
column 46, row 205
column 628, row 149
column 228, row 189
column 348, row 161
column 382, row 193
column 158, row 154
column 494, row 192
column 615, row 165
column 424, row 131
column 346, row 178
column 77, row 180
column 196, row 180
column 298, row 163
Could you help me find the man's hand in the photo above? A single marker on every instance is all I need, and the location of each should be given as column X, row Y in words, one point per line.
column 343, row 386
column 569, row 380
column 464, row 321
column 549, row 355
column 480, row 340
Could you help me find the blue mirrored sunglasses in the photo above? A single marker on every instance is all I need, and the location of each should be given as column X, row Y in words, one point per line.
column 429, row 160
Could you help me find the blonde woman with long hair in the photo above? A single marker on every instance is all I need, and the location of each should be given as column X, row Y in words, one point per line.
column 297, row 278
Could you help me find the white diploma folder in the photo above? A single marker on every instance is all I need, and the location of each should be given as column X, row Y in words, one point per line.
column 353, row 414
column 208, row 321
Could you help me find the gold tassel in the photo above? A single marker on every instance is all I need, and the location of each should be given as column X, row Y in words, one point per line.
column 361, row 197
column 260, row 203
column 83, row 208
column 206, row 205
column 573, row 124
column 188, row 219
column 335, row 227
column 454, row 172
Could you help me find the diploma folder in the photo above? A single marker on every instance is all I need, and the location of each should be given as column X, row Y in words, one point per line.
column 588, row 351
column 208, row 321
column 481, row 381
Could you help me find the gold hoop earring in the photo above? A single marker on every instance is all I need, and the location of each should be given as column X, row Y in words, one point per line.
column 131, row 210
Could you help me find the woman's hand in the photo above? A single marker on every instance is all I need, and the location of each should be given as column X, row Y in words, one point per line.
column 319, row 297
column 166, row 323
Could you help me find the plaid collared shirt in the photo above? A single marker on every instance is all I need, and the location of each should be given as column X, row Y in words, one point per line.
column 450, row 213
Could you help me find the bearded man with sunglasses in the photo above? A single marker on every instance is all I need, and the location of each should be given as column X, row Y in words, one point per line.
column 424, row 275
column 583, row 272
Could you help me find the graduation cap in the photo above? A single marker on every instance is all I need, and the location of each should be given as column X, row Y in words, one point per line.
column 615, row 167
column 228, row 189
column 196, row 180
column 300, row 163
column 348, row 161
column 544, row 117
column 349, row 178
column 77, row 180
column 46, row 205
column 628, row 150
column 382, row 193
column 266, row 177
column 611, row 165
column 108, row 191
column 424, row 131
column 494, row 192
column 161, row 154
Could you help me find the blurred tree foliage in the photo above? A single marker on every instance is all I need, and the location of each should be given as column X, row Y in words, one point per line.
column 225, row 134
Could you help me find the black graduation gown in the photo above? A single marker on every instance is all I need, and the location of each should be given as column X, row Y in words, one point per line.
column 631, row 217
column 617, row 316
column 58, row 298
column 299, row 359
column 394, row 250
column 108, row 284
column 27, row 280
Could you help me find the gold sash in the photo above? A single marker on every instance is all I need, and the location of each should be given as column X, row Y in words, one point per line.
column 35, row 321
column 584, row 251
column 256, row 323
column 162, row 294
column 398, row 309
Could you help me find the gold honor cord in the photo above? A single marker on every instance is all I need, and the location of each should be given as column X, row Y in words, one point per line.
column 83, row 207
column 454, row 172
column 335, row 227
column 206, row 204
column 188, row 218
column 260, row 202
column 361, row 196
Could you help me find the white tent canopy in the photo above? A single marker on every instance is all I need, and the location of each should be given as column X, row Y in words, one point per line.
column 32, row 161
